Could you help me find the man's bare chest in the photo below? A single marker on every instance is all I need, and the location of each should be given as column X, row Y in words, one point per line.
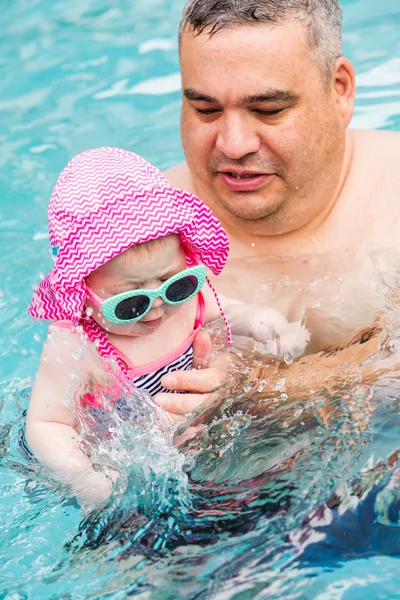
column 338, row 297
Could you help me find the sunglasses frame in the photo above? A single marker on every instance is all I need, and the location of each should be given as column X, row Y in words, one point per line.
column 109, row 305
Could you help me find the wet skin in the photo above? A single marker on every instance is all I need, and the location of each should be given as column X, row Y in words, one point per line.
column 311, row 208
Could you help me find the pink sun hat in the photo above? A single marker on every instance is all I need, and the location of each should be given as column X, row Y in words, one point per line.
column 105, row 201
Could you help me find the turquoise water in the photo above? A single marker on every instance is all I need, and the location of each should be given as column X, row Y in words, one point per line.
column 80, row 74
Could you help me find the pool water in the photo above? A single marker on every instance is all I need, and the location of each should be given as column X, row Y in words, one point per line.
column 230, row 524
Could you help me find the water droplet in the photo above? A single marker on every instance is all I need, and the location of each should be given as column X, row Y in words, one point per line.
column 339, row 280
column 287, row 358
column 284, row 396
column 247, row 388
column 77, row 353
column 88, row 311
column 261, row 386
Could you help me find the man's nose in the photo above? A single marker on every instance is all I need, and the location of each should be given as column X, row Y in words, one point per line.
column 236, row 138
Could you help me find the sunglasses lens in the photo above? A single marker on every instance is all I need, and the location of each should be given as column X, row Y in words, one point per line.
column 132, row 308
column 182, row 289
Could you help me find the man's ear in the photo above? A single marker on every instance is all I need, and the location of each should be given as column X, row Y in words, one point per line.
column 344, row 88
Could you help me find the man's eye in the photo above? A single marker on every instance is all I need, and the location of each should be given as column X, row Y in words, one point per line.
column 268, row 113
column 207, row 111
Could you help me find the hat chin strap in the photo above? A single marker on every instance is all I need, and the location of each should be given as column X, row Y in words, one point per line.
column 191, row 260
column 228, row 327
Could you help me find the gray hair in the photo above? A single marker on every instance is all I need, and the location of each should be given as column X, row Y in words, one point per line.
column 323, row 20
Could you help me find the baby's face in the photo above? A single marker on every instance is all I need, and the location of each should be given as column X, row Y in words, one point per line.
column 144, row 266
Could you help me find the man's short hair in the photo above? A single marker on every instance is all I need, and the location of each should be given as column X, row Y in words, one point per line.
column 322, row 18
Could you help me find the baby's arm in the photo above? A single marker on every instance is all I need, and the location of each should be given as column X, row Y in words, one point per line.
column 263, row 324
column 50, row 424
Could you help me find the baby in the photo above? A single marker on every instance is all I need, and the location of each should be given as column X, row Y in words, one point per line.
column 129, row 276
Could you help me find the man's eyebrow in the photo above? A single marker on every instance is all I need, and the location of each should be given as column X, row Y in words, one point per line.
column 268, row 96
column 192, row 94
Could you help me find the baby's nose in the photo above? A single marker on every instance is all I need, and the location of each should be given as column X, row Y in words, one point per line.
column 158, row 302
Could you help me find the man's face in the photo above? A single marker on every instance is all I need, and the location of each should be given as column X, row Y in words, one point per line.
column 261, row 128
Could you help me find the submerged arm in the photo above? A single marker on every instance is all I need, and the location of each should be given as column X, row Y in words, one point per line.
column 340, row 372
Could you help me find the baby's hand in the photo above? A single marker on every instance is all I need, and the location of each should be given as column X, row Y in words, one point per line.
column 280, row 338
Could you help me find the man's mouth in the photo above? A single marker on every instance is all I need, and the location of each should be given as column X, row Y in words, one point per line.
column 243, row 182
column 243, row 175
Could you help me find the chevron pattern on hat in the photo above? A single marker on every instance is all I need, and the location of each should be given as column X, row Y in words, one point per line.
column 92, row 179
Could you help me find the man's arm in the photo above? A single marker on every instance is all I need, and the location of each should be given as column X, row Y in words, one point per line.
column 358, row 364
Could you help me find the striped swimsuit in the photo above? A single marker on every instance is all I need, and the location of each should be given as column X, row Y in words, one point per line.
column 147, row 378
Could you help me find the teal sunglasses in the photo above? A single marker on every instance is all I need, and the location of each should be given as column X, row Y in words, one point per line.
column 131, row 306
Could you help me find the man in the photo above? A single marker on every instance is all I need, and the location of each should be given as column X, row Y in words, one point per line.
column 311, row 208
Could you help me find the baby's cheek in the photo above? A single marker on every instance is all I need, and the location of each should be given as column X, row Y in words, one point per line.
column 171, row 309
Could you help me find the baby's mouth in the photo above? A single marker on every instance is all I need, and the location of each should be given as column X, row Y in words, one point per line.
column 153, row 323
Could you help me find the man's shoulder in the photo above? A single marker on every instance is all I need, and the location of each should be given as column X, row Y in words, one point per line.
column 376, row 163
column 382, row 145
column 376, row 180
column 179, row 177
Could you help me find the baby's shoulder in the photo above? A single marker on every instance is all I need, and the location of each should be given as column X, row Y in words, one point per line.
column 65, row 334
column 66, row 346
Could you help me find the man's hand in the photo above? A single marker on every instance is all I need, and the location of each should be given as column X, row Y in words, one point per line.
column 201, row 385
